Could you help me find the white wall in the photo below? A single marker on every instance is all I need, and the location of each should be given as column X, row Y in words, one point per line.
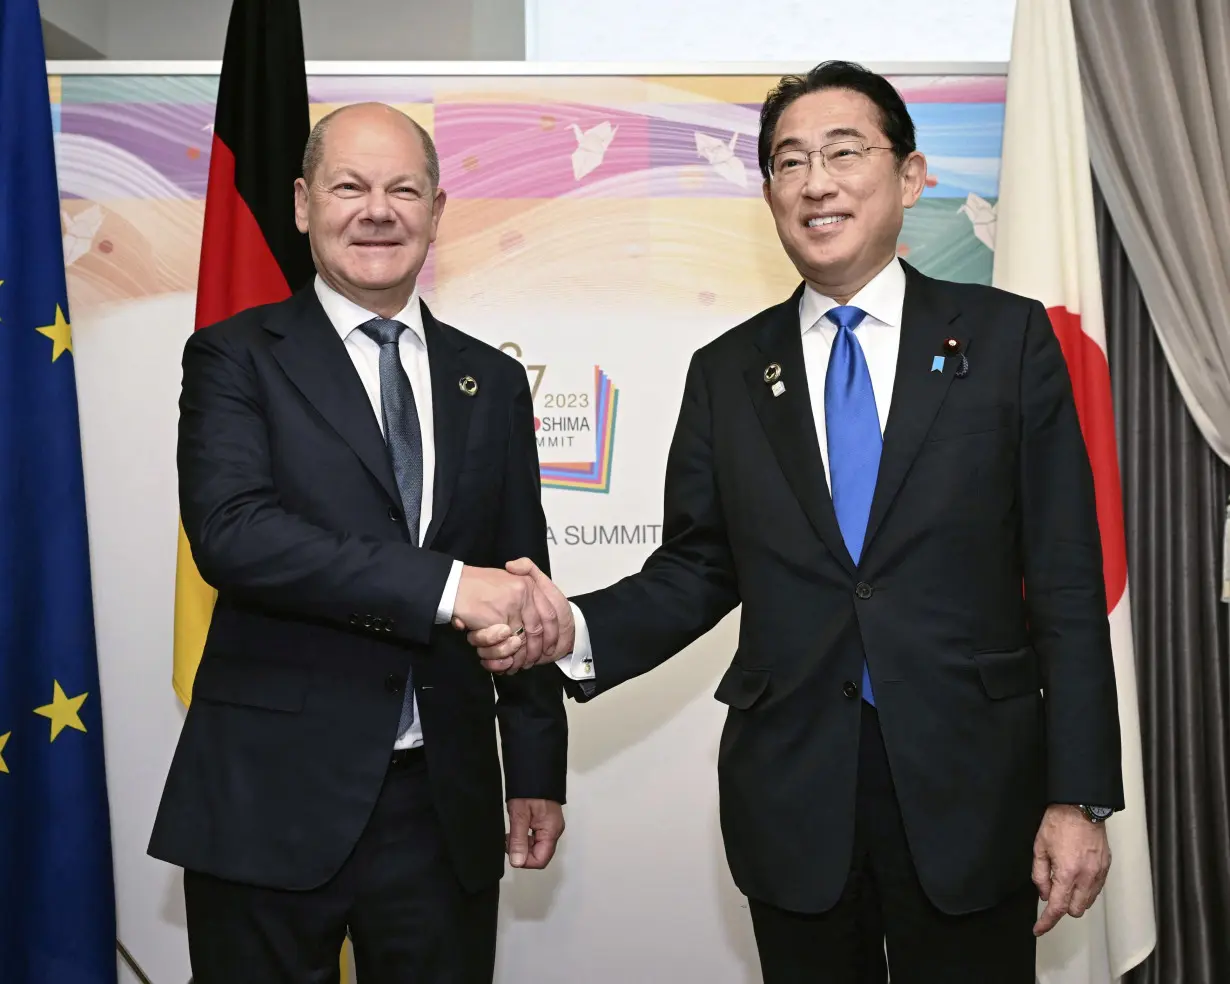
column 127, row 386
column 564, row 30
column 804, row 31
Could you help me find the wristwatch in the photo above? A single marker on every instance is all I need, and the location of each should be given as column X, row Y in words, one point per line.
column 1096, row 814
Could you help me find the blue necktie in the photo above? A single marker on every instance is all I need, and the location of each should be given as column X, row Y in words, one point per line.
column 854, row 437
column 404, row 438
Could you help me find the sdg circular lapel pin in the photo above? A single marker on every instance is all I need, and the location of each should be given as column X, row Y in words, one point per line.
column 468, row 385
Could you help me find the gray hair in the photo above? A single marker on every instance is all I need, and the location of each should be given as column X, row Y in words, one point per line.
column 314, row 149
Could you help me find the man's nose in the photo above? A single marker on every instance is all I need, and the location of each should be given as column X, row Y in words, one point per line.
column 819, row 182
column 377, row 206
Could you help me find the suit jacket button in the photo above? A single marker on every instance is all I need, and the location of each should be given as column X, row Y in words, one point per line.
column 388, row 625
column 368, row 621
column 394, row 515
column 354, row 619
column 863, row 590
column 849, row 688
column 393, row 683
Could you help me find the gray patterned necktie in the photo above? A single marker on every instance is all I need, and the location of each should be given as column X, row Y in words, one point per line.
column 404, row 439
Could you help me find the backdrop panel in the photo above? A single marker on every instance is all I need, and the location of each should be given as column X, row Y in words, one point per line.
column 598, row 228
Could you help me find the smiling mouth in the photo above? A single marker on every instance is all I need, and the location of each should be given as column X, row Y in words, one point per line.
column 376, row 245
column 826, row 221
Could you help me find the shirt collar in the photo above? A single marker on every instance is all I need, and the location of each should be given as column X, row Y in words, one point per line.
column 346, row 315
column 883, row 298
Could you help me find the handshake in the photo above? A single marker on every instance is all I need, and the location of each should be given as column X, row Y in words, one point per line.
column 516, row 618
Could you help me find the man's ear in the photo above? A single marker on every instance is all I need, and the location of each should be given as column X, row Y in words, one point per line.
column 913, row 173
column 301, row 205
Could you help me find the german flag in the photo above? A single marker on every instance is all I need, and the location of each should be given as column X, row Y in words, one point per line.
column 251, row 252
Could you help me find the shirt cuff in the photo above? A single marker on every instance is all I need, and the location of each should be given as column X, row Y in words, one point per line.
column 578, row 664
column 448, row 600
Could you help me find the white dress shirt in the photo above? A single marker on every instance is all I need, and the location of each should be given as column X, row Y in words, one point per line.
column 364, row 352
column 879, row 334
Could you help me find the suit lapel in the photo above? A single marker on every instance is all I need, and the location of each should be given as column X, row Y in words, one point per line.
column 927, row 319
column 789, row 423
column 451, row 408
column 314, row 358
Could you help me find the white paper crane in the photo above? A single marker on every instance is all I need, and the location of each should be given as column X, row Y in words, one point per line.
column 722, row 157
column 79, row 232
column 591, row 147
column 981, row 215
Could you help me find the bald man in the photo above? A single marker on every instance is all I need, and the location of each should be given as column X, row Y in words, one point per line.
column 353, row 474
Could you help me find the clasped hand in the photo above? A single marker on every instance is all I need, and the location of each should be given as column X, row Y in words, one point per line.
column 515, row 618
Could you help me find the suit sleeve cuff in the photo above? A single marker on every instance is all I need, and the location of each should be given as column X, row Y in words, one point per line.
column 448, row 600
column 578, row 664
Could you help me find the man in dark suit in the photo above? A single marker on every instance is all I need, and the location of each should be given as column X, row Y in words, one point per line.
column 353, row 474
column 875, row 469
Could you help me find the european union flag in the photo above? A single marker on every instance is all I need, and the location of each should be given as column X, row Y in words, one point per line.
column 57, row 897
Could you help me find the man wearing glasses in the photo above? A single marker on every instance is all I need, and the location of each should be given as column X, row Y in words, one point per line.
column 888, row 472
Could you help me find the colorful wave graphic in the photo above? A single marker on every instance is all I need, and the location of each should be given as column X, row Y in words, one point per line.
column 591, row 476
column 622, row 187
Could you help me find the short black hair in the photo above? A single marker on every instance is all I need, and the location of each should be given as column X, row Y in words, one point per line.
column 895, row 119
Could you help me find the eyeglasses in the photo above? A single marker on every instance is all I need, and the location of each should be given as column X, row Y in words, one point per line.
column 840, row 157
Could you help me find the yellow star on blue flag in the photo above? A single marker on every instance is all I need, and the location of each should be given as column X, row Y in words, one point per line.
column 60, row 333
column 63, row 711
column 57, row 910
